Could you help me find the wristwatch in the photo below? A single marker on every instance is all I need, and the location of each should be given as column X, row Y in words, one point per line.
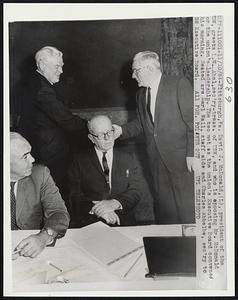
column 50, row 233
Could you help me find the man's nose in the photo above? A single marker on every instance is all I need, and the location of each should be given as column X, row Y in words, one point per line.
column 31, row 159
column 106, row 136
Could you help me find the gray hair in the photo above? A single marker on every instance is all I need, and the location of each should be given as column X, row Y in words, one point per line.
column 148, row 55
column 46, row 52
column 15, row 136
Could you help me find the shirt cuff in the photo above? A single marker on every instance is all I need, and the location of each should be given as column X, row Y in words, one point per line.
column 119, row 205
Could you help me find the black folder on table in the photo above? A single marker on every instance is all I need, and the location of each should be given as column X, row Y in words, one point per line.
column 171, row 256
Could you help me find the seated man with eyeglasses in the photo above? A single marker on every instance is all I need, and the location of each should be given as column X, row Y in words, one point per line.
column 104, row 182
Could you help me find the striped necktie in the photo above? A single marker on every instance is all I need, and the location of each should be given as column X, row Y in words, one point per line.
column 105, row 168
column 13, row 207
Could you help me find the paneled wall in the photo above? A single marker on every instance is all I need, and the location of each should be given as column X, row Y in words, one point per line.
column 177, row 47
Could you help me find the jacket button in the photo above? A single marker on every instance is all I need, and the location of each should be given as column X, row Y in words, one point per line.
column 155, row 134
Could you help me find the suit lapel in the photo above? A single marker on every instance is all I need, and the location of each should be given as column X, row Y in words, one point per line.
column 144, row 109
column 24, row 191
column 143, row 101
column 120, row 171
column 158, row 99
column 115, row 164
column 95, row 161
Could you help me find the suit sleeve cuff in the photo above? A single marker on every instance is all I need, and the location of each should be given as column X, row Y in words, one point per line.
column 119, row 205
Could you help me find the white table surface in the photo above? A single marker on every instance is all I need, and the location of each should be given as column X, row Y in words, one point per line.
column 86, row 274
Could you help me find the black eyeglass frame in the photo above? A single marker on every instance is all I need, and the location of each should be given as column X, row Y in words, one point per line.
column 102, row 135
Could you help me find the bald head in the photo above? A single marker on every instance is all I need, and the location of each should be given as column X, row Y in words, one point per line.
column 21, row 161
column 101, row 132
column 98, row 121
column 15, row 140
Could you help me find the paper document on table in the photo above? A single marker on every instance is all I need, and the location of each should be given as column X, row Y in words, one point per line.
column 104, row 243
column 75, row 266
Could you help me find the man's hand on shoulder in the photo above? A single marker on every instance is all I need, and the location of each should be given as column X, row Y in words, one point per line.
column 117, row 131
column 32, row 245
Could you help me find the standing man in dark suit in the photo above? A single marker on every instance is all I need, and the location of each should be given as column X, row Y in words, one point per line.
column 35, row 200
column 104, row 182
column 46, row 121
column 165, row 116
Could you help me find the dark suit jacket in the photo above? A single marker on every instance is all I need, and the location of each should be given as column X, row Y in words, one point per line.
column 173, row 126
column 46, row 121
column 39, row 203
column 87, row 184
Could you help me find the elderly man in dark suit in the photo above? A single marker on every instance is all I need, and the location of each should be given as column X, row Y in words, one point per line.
column 46, row 121
column 104, row 182
column 165, row 117
column 35, row 200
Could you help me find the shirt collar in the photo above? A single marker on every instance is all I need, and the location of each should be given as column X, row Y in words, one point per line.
column 14, row 180
column 155, row 83
column 101, row 152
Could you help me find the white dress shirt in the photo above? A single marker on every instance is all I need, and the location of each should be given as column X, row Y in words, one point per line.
column 109, row 157
column 153, row 92
column 15, row 189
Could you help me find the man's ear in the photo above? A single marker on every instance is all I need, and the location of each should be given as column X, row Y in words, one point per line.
column 41, row 66
column 151, row 68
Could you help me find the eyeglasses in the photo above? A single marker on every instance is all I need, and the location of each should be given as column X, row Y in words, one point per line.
column 103, row 135
column 137, row 71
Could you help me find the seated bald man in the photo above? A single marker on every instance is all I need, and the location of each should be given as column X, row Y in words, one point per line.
column 104, row 182
column 35, row 200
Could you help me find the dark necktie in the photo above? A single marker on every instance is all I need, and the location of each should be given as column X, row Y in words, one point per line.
column 13, row 208
column 105, row 168
column 148, row 104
